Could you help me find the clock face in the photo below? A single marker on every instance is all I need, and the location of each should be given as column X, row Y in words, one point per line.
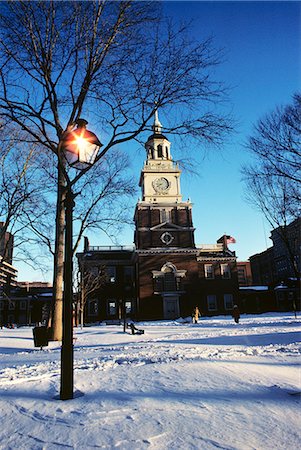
column 161, row 184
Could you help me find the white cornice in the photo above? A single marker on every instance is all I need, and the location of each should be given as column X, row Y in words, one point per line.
column 161, row 228
column 220, row 258
column 164, row 250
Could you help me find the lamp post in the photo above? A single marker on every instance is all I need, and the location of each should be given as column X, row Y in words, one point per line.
column 80, row 147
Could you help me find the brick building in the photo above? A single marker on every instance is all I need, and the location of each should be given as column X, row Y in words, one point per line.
column 244, row 273
column 170, row 275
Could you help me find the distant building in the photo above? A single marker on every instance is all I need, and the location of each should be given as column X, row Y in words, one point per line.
column 244, row 274
column 282, row 260
column 279, row 266
column 25, row 306
column 8, row 273
column 263, row 267
column 108, row 281
column 6, row 244
column 8, row 276
column 166, row 275
column 257, row 299
column 287, row 250
column 29, row 285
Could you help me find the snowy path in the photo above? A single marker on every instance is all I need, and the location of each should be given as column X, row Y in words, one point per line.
column 208, row 386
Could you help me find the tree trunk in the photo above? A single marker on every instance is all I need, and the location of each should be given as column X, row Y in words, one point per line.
column 56, row 320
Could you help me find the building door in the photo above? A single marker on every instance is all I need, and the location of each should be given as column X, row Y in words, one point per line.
column 171, row 307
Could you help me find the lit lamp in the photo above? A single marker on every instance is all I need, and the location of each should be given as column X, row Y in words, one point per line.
column 81, row 146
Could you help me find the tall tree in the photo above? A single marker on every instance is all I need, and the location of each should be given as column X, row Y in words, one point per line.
column 273, row 181
column 108, row 60
column 21, row 184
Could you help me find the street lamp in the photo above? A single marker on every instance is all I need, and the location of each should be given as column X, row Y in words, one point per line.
column 80, row 147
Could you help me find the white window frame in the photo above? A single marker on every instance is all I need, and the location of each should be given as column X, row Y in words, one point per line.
column 209, row 274
column 225, row 271
column 212, row 296
column 111, row 312
column 228, row 299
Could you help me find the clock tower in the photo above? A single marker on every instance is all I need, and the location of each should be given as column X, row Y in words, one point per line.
column 164, row 233
column 162, row 218
column 165, row 276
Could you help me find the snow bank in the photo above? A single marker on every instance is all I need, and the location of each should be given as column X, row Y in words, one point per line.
column 179, row 386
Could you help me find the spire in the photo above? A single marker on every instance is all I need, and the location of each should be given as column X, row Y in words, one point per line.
column 157, row 126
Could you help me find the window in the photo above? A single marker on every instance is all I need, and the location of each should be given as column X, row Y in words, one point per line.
column 23, row 304
column 169, row 282
column 228, row 301
column 111, row 273
column 93, row 308
column 165, row 215
column 211, row 302
column 209, row 272
column 225, row 271
column 160, row 151
column 158, row 284
column 128, row 274
column 128, row 306
column 11, row 306
column 112, row 307
column 1, row 305
column 94, row 270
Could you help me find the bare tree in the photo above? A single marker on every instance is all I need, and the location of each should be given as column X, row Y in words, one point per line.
column 88, row 283
column 109, row 60
column 273, row 181
column 21, row 185
column 276, row 143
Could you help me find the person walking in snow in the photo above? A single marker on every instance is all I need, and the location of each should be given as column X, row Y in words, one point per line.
column 236, row 314
column 196, row 313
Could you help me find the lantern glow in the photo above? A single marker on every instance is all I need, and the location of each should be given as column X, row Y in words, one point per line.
column 81, row 146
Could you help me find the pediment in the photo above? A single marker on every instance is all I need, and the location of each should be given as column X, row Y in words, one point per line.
column 166, row 226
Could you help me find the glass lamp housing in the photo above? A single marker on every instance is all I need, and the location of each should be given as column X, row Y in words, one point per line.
column 80, row 148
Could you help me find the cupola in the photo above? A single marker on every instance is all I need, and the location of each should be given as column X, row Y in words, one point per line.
column 157, row 145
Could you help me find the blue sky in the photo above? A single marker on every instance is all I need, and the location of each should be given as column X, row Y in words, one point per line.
column 262, row 64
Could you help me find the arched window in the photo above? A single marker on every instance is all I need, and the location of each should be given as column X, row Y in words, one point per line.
column 168, row 279
column 169, row 282
column 160, row 151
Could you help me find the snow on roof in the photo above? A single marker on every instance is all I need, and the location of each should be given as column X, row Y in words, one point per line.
column 254, row 288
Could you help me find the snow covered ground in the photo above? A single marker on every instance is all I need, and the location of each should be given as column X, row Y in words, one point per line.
column 212, row 385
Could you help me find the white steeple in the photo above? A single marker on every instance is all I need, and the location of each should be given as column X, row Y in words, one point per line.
column 157, row 126
column 157, row 145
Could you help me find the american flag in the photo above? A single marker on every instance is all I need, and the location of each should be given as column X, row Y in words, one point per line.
column 231, row 240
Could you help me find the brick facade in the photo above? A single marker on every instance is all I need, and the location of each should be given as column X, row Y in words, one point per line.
column 172, row 276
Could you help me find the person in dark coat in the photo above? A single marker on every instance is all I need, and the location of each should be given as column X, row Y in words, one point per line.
column 236, row 314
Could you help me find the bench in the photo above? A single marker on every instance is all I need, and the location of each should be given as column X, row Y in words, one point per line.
column 135, row 330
